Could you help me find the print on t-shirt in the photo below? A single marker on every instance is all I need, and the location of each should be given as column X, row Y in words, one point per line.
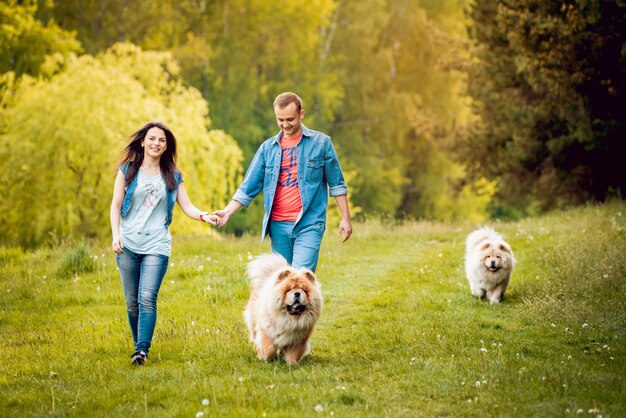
column 288, row 171
column 287, row 203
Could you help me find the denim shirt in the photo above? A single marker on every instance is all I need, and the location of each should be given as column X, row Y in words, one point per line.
column 171, row 195
column 319, row 175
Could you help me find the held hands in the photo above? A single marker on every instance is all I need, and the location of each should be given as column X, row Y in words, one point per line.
column 345, row 226
column 210, row 219
column 222, row 217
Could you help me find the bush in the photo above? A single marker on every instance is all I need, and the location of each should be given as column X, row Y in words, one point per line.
column 77, row 260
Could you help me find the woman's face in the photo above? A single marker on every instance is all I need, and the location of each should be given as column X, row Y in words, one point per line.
column 155, row 143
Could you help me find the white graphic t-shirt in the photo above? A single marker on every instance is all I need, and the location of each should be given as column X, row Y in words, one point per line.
column 143, row 228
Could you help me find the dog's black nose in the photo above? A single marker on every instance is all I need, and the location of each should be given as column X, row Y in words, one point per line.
column 296, row 295
column 493, row 264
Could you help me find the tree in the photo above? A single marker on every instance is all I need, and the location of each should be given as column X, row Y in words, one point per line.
column 25, row 41
column 62, row 136
column 548, row 84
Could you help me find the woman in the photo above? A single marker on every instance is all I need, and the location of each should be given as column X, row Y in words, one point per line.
column 146, row 187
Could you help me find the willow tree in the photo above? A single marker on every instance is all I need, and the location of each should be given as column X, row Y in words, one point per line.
column 63, row 134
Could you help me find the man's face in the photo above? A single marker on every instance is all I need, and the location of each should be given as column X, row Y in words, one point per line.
column 289, row 120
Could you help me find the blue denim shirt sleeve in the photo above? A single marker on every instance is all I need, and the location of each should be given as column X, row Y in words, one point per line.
column 253, row 181
column 332, row 171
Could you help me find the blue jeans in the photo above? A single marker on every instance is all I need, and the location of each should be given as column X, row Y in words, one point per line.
column 301, row 250
column 142, row 275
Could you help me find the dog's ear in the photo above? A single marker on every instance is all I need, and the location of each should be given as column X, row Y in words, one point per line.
column 309, row 275
column 485, row 246
column 504, row 247
column 283, row 275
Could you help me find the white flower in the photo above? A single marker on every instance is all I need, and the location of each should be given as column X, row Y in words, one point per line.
column 205, row 402
column 439, row 255
column 241, row 379
column 585, row 325
column 199, row 414
column 483, row 350
column 477, row 383
column 552, row 325
column 606, row 276
column 200, row 268
column 319, row 408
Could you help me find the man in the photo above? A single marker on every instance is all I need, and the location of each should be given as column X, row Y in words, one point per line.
column 296, row 169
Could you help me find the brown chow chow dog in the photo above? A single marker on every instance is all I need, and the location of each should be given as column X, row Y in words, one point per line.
column 283, row 308
column 489, row 263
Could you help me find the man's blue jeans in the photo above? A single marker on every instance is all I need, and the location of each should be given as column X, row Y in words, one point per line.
column 142, row 275
column 300, row 250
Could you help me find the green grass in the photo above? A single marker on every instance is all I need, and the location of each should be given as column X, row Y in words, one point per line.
column 400, row 334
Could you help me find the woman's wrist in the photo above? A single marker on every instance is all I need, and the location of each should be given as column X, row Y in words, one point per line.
column 202, row 215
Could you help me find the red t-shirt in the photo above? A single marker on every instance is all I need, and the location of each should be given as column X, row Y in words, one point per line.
column 287, row 202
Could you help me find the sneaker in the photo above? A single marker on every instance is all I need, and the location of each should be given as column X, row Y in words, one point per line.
column 139, row 358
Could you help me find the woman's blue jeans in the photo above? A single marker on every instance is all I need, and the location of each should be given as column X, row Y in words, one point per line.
column 300, row 250
column 142, row 275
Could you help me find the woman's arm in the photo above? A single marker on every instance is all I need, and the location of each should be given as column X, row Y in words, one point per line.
column 189, row 209
column 116, row 212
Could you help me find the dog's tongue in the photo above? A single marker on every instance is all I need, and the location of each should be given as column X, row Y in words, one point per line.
column 296, row 308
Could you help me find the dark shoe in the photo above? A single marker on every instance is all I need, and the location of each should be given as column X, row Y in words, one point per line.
column 139, row 358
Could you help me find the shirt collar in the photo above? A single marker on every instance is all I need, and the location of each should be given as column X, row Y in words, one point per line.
column 305, row 133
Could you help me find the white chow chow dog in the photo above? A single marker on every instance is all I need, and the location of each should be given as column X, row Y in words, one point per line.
column 489, row 263
column 283, row 308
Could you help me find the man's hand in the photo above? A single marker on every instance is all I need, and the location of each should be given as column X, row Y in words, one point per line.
column 345, row 227
column 220, row 217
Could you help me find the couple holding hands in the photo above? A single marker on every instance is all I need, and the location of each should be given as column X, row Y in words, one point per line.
column 297, row 170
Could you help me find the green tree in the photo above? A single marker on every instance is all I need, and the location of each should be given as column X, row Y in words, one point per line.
column 401, row 102
column 25, row 41
column 62, row 136
column 549, row 85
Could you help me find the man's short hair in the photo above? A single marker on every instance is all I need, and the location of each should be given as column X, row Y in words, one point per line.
column 285, row 99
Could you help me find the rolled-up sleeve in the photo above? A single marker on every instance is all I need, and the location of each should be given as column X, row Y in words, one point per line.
column 332, row 171
column 253, row 181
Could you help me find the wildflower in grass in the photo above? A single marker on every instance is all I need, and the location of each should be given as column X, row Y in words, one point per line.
column 205, row 402
column 585, row 325
column 477, row 383
column 199, row 414
column 580, row 411
column 241, row 379
column 483, row 350
column 552, row 325
column 606, row 276
column 439, row 255
column 319, row 408
column 200, row 268
column 270, row 386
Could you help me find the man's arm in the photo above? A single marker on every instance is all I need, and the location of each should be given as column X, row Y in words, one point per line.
column 345, row 226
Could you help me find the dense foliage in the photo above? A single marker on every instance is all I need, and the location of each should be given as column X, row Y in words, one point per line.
column 63, row 135
column 523, row 114
column 549, row 85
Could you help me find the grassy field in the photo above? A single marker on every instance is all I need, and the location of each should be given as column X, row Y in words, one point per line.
column 400, row 334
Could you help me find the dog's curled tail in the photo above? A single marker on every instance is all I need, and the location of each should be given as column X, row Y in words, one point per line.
column 264, row 266
column 482, row 234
